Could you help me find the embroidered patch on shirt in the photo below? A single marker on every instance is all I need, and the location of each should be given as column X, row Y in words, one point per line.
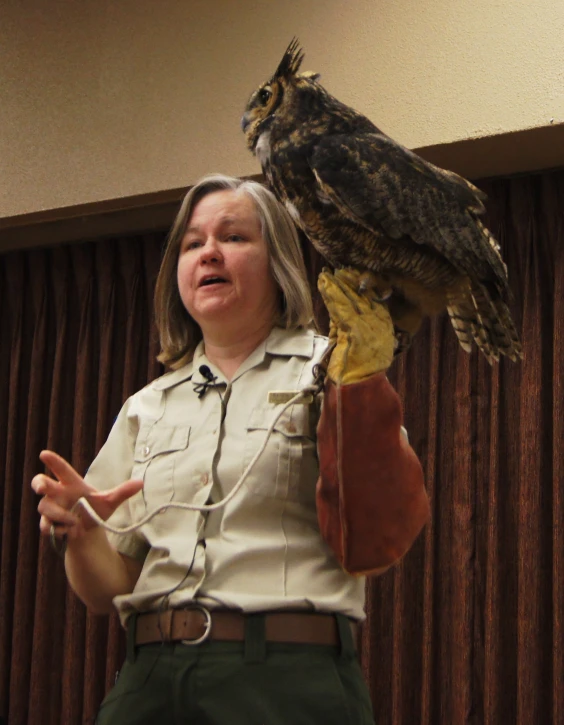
column 279, row 397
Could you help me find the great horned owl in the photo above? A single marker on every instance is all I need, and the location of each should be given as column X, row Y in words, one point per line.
column 367, row 202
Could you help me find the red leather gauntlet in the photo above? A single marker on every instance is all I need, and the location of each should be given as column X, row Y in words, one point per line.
column 371, row 499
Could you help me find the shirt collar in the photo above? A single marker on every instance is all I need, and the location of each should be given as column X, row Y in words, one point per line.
column 169, row 380
column 290, row 342
column 280, row 342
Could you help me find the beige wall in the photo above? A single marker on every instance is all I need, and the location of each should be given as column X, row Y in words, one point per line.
column 103, row 99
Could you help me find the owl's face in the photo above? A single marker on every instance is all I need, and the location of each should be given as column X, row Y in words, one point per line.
column 260, row 111
column 274, row 96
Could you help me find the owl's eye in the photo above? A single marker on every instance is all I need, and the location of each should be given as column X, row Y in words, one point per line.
column 264, row 95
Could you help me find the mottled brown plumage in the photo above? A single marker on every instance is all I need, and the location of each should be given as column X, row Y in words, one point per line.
column 367, row 202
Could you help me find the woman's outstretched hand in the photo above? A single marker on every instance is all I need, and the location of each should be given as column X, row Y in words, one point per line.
column 60, row 494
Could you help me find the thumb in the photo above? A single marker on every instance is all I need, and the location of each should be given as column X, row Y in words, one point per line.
column 125, row 490
column 106, row 502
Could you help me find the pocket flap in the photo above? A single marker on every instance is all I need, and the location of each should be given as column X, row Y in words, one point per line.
column 154, row 440
column 292, row 423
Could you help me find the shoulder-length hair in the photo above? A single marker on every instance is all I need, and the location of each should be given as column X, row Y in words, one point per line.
column 179, row 333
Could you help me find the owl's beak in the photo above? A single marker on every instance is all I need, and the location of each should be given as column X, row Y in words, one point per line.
column 244, row 123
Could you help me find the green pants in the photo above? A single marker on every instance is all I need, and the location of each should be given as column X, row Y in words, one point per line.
column 246, row 683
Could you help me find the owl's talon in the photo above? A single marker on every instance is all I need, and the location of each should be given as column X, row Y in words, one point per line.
column 382, row 298
column 403, row 341
column 379, row 288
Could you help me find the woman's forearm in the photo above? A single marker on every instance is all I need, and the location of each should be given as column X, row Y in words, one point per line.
column 97, row 572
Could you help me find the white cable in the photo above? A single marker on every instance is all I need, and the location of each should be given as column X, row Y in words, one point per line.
column 188, row 506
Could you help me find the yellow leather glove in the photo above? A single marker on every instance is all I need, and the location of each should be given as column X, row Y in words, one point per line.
column 361, row 328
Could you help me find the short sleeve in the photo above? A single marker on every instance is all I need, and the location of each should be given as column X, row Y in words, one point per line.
column 113, row 465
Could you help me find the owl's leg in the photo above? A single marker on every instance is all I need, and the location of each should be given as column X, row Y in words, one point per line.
column 407, row 318
column 378, row 285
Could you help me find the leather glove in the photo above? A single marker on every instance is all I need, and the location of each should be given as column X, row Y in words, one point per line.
column 361, row 329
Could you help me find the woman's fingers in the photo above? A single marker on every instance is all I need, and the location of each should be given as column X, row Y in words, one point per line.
column 43, row 485
column 55, row 490
column 60, row 529
column 63, row 470
column 55, row 513
column 60, row 496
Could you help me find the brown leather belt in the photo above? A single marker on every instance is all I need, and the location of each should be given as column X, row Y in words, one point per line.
column 197, row 624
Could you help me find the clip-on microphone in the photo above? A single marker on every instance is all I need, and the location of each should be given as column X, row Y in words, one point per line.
column 206, row 373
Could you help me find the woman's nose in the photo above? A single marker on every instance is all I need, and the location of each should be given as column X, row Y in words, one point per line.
column 211, row 251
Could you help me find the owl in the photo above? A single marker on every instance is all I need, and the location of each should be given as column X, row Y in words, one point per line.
column 364, row 201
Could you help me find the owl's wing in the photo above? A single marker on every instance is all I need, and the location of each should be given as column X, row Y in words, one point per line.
column 385, row 187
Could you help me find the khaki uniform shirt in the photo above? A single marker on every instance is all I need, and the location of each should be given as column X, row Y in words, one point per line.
column 263, row 549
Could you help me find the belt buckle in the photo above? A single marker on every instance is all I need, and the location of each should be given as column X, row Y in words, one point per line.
column 207, row 616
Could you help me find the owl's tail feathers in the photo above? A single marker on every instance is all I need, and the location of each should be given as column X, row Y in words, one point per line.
column 475, row 316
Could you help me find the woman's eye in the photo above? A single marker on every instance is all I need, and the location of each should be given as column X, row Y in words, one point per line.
column 193, row 244
column 234, row 238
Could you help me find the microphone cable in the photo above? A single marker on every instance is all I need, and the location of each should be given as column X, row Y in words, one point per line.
column 304, row 393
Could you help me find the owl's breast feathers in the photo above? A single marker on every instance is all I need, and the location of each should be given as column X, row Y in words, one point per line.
column 345, row 202
column 291, row 176
column 339, row 234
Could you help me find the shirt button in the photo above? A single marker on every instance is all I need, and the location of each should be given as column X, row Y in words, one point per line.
column 204, row 478
column 291, row 428
column 146, row 451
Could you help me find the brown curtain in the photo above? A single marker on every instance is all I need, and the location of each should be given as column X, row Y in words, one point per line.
column 467, row 629
column 75, row 343
column 470, row 627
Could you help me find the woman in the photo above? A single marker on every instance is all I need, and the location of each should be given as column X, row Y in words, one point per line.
column 245, row 612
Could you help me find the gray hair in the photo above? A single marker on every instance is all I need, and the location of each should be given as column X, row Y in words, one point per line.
column 179, row 333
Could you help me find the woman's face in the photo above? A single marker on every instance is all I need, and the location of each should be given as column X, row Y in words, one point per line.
column 223, row 272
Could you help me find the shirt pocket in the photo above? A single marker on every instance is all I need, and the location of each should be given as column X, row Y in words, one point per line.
column 158, row 453
column 287, row 468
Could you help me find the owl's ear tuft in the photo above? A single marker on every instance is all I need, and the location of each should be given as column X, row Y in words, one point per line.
column 291, row 61
column 310, row 75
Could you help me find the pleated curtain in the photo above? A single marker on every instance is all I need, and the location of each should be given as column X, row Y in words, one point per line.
column 467, row 629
